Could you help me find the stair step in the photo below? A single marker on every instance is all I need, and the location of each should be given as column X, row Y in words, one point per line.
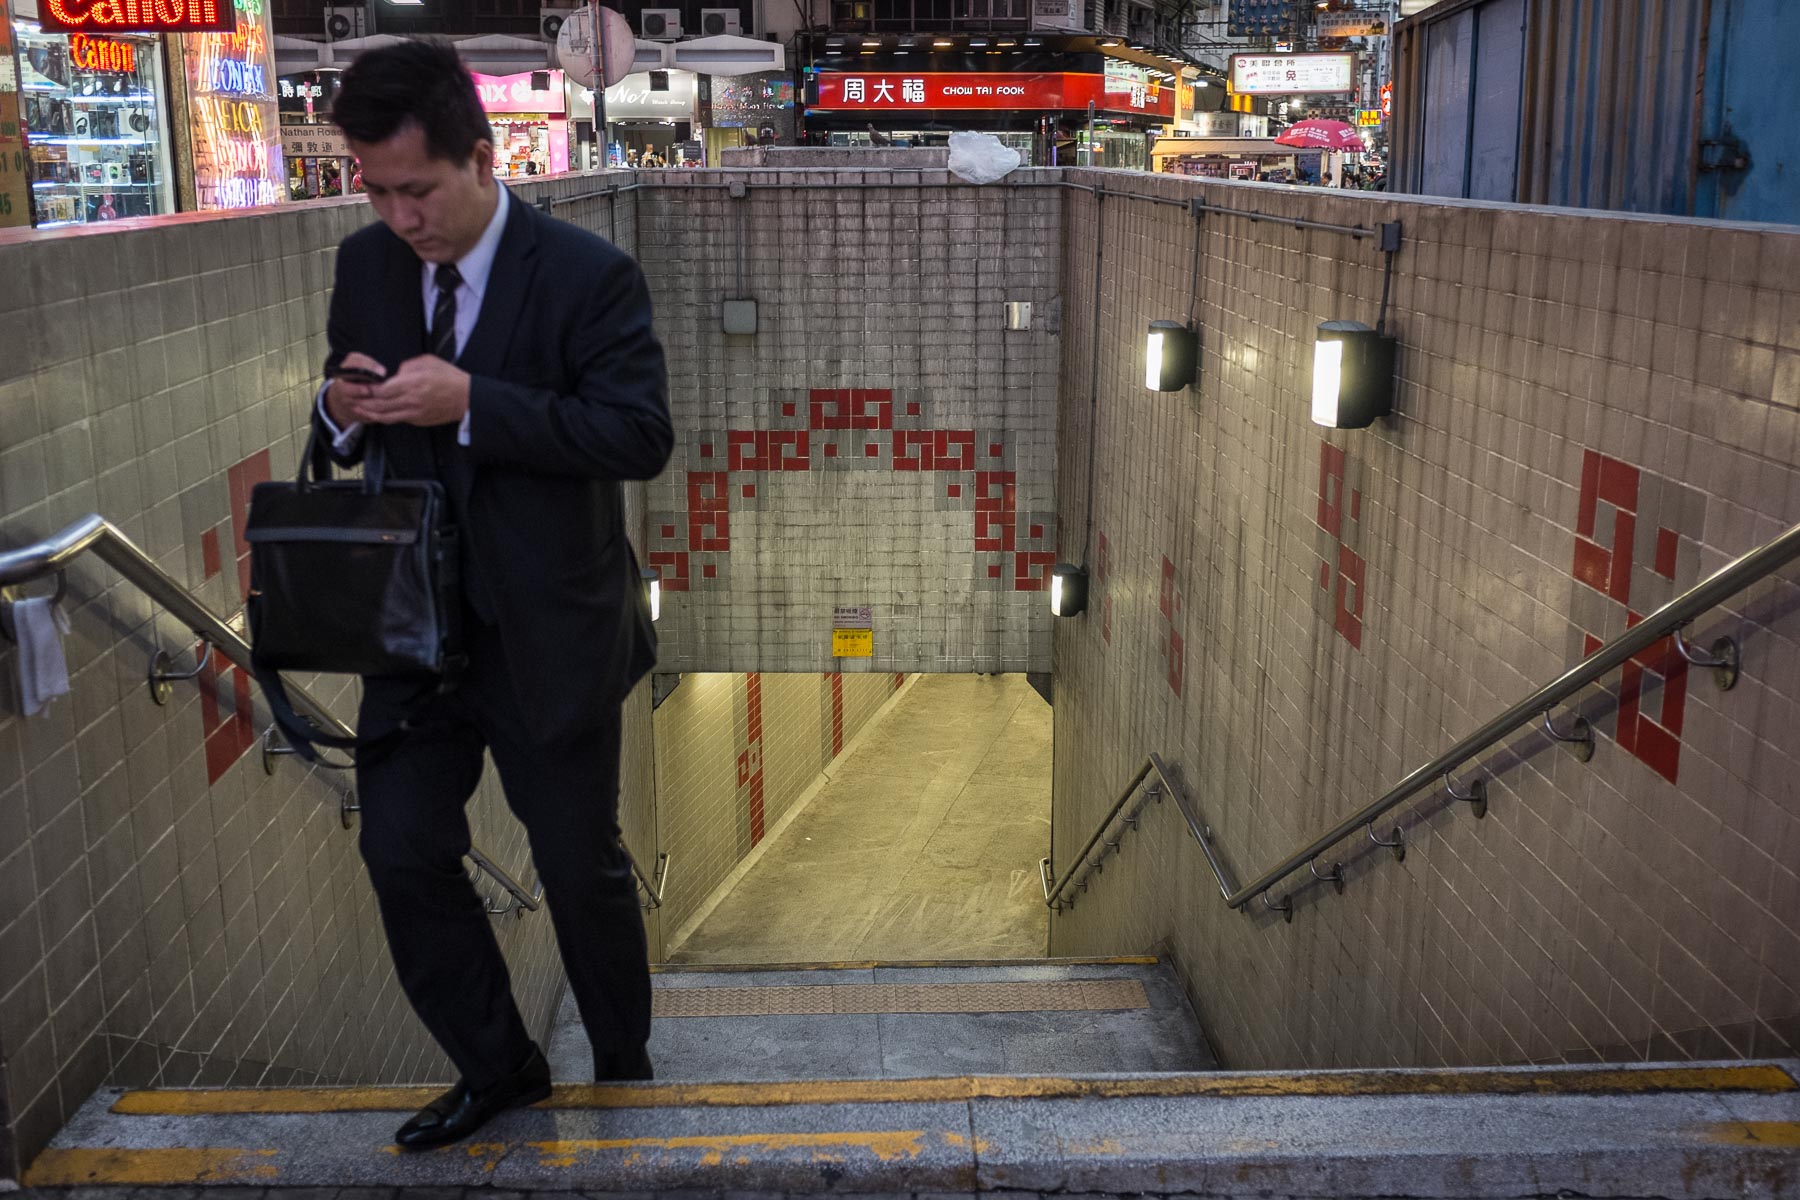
column 1711, row 1130
column 890, row 1020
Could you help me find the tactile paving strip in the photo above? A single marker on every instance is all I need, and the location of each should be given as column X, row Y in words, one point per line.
column 1080, row 995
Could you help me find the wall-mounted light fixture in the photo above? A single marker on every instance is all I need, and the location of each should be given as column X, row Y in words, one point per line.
column 653, row 588
column 1353, row 375
column 1068, row 590
column 1171, row 356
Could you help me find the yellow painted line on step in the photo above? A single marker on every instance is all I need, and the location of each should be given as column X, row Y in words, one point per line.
column 1774, row 1135
column 1587, row 1081
column 886, row 1146
column 186, row 1165
column 1130, row 960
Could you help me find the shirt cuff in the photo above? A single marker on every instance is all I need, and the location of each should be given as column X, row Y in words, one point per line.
column 342, row 440
column 462, row 430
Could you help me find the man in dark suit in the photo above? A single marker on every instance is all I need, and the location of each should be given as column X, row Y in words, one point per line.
column 509, row 356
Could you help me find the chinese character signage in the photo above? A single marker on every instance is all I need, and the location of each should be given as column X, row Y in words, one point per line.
column 1260, row 18
column 1290, row 74
column 234, row 131
column 1351, row 24
column 314, row 141
column 1366, row 117
column 15, row 182
column 925, row 91
column 137, row 16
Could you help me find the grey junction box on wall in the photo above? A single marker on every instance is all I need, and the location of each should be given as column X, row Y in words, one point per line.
column 739, row 316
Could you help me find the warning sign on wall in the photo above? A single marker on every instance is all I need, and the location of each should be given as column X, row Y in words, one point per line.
column 852, row 643
column 852, row 631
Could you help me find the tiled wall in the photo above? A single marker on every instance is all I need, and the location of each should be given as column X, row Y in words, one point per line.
column 1594, row 411
column 881, row 441
column 733, row 755
column 169, row 914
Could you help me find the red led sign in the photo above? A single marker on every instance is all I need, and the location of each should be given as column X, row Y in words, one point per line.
column 902, row 91
column 102, row 54
column 137, row 16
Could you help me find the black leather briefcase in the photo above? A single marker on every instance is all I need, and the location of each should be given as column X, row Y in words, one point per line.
column 353, row 577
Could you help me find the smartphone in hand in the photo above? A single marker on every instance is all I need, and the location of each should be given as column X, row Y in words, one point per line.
column 356, row 375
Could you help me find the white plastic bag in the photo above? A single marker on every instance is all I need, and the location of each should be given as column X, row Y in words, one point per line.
column 981, row 157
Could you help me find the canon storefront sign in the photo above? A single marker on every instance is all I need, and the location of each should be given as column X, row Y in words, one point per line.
column 1292, row 74
column 137, row 16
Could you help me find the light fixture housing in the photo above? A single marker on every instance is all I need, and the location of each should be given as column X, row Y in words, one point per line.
column 652, row 577
column 1353, row 375
column 1068, row 590
column 1171, row 356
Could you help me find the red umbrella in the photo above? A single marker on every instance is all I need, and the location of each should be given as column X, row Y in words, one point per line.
column 1318, row 134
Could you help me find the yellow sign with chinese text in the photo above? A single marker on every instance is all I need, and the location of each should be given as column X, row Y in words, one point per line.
column 852, row 643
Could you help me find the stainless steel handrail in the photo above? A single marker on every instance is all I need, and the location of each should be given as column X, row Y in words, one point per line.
column 1668, row 620
column 1165, row 783
column 112, row 547
column 653, row 891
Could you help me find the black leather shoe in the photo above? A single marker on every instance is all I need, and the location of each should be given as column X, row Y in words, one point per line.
column 618, row 1065
column 459, row 1112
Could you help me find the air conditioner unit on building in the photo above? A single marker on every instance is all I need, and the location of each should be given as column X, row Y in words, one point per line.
column 716, row 21
column 550, row 21
column 660, row 24
column 344, row 21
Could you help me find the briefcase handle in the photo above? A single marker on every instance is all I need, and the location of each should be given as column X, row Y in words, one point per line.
column 316, row 461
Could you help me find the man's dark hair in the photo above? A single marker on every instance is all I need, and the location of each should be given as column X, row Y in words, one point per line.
column 419, row 81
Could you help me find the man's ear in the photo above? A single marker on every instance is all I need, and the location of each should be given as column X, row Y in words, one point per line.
column 483, row 158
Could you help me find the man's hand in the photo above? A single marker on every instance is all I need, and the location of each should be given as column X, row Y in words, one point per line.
column 342, row 397
column 425, row 391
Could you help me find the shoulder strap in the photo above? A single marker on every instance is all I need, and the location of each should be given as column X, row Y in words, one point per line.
column 306, row 737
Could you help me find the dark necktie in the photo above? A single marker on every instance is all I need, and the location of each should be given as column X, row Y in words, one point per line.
column 444, row 448
column 443, row 312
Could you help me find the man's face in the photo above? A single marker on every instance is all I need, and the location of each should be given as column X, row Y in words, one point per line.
column 439, row 207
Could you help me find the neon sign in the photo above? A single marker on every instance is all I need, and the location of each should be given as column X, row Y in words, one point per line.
column 137, row 16
column 236, row 145
column 102, row 54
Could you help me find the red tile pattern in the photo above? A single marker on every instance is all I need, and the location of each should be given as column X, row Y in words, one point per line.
column 227, row 727
column 837, row 715
column 1604, row 551
column 750, row 758
column 934, row 450
column 852, row 408
column 1171, row 643
column 240, row 479
column 1342, row 570
column 838, row 419
column 709, row 511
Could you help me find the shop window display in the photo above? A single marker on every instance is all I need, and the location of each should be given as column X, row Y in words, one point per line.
column 92, row 110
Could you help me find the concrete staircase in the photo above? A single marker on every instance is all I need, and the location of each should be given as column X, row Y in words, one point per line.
column 1064, row 1077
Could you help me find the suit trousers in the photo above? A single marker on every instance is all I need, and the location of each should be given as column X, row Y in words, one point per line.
column 415, row 833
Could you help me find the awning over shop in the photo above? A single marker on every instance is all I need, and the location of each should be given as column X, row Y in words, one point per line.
column 727, row 54
column 490, row 54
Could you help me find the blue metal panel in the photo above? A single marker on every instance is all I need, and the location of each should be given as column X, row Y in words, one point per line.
column 1749, row 102
column 1499, row 55
column 1448, row 56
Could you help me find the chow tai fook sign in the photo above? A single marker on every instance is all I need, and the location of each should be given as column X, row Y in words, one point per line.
column 137, row 16
column 925, row 91
column 1292, row 74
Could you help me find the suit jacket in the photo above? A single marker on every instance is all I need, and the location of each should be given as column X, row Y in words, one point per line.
column 568, row 396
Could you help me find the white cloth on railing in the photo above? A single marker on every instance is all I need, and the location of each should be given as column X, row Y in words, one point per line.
column 40, row 624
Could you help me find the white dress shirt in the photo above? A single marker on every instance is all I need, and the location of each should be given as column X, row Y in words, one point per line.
column 475, row 267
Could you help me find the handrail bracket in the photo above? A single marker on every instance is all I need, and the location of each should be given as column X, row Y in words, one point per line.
column 1724, row 660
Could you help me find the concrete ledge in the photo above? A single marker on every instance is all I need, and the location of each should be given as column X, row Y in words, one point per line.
column 1710, row 1130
